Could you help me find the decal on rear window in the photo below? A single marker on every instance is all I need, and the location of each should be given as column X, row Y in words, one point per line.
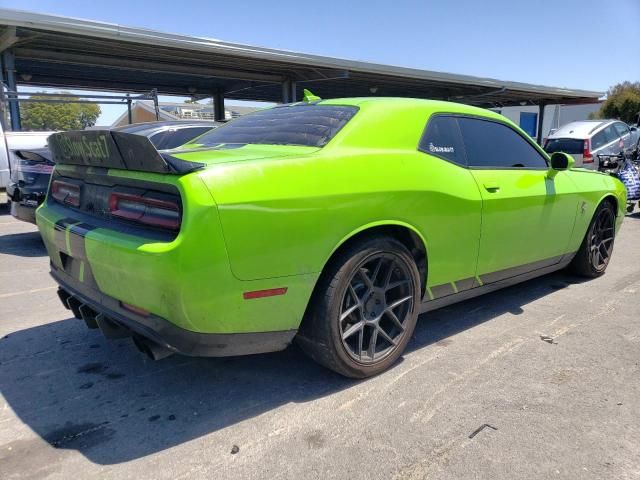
column 435, row 149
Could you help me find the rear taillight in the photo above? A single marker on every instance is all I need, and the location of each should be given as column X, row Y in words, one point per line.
column 67, row 193
column 150, row 211
column 586, row 152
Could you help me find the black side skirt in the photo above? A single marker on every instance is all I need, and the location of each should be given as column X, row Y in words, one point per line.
column 498, row 280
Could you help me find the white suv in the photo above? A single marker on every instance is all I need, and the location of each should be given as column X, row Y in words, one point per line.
column 586, row 139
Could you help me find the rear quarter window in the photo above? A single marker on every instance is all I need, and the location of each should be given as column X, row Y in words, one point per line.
column 442, row 139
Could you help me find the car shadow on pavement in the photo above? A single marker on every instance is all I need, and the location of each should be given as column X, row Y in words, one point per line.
column 104, row 399
column 25, row 244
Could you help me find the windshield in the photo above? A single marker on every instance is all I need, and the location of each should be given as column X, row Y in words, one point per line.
column 306, row 125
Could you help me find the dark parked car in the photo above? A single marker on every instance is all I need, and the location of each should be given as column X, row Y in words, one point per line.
column 30, row 176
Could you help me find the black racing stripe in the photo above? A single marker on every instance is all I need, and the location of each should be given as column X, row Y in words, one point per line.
column 59, row 233
column 74, row 262
column 77, row 233
column 82, row 229
column 63, row 223
column 443, row 290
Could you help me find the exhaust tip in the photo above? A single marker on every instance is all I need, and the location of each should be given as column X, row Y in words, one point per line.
column 73, row 304
column 64, row 297
column 89, row 315
column 151, row 349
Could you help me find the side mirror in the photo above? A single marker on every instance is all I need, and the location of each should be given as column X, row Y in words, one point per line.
column 560, row 161
column 633, row 129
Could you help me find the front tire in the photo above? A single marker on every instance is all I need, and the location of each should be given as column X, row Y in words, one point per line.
column 595, row 251
column 364, row 308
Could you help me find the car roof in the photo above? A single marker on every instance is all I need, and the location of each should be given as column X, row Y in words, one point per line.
column 402, row 103
column 581, row 129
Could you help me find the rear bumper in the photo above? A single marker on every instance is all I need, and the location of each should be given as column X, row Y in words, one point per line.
column 23, row 212
column 87, row 303
column 24, row 201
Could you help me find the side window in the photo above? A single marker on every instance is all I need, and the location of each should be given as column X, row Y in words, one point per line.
column 598, row 140
column 492, row 144
column 175, row 137
column 158, row 139
column 611, row 134
column 180, row 136
column 621, row 128
column 442, row 139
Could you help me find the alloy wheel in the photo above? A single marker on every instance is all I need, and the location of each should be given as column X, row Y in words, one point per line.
column 376, row 305
column 601, row 239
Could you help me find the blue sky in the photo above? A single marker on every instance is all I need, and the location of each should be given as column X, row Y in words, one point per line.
column 587, row 44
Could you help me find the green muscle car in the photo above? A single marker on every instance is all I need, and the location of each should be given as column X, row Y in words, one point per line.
column 333, row 223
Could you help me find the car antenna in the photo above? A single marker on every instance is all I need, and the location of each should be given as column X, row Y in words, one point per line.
column 309, row 97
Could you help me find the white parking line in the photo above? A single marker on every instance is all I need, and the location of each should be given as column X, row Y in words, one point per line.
column 13, row 294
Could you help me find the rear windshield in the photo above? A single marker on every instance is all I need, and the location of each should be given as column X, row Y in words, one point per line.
column 307, row 125
column 566, row 145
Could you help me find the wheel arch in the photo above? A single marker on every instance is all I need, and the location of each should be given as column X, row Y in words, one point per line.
column 614, row 201
column 405, row 233
column 611, row 199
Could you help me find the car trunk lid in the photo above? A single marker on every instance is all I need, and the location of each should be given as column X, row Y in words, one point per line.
column 237, row 152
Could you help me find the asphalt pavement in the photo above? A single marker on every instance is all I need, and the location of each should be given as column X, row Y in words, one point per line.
column 538, row 381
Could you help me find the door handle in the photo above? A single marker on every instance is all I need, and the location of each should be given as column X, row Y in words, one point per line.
column 491, row 185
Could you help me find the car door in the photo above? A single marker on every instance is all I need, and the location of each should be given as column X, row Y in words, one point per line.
column 625, row 137
column 606, row 142
column 527, row 216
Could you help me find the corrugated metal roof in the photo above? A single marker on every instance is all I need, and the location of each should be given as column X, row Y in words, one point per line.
column 61, row 51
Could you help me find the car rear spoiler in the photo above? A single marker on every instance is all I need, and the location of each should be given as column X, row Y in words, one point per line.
column 110, row 149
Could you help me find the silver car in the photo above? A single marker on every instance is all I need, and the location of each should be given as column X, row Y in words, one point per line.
column 586, row 139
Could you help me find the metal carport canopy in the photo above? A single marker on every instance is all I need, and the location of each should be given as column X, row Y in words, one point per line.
column 61, row 52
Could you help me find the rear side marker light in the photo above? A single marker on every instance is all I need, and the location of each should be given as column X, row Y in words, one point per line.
column 272, row 292
column 134, row 309
column 65, row 192
column 150, row 211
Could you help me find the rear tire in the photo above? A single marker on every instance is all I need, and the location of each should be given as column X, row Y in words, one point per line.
column 595, row 251
column 364, row 309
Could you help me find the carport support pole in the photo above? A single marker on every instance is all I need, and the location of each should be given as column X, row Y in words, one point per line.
column 10, row 72
column 286, row 91
column 293, row 91
column 3, row 99
column 540, row 122
column 129, row 113
column 156, row 104
column 218, row 107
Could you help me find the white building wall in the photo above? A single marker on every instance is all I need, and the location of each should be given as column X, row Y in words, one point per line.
column 554, row 115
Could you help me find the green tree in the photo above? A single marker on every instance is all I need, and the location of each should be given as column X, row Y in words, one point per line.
column 58, row 116
column 623, row 102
